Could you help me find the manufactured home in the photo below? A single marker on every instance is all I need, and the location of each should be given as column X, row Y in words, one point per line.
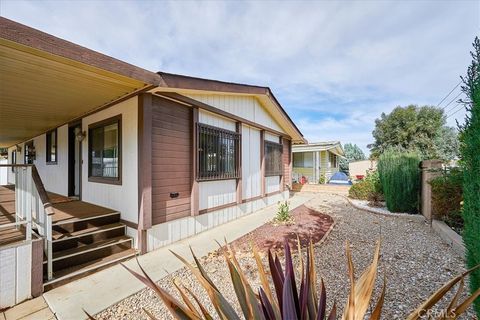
column 315, row 163
column 107, row 160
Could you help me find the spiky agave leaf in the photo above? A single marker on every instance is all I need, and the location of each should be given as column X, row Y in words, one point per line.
column 224, row 309
column 206, row 314
column 253, row 303
column 181, row 290
column 173, row 305
column 264, row 281
column 440, row 293
column 378, row 307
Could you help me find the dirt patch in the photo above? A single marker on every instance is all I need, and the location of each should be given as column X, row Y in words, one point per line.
column 309, row 224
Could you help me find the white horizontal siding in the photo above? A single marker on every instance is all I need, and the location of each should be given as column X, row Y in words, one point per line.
column 216, row 193
column 247, row 107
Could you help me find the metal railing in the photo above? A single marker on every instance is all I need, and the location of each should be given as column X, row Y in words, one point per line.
column 33, row 209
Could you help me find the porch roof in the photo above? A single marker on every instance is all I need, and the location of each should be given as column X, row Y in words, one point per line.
column 332, row 146
column 46, row 81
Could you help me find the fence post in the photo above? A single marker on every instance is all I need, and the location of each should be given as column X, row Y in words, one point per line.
column 430, row 169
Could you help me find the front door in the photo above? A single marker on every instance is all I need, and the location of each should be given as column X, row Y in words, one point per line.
column 75, row 160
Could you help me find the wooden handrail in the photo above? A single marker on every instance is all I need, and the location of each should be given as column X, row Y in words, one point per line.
column 47, row 205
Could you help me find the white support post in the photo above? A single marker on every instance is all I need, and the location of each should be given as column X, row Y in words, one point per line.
column 17, row 193
column 316, row 165
column 48, row 240
column 28, row 203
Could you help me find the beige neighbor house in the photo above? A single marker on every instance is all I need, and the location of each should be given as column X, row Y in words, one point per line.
column 107, row 160
column 358, row 169
column 315, row 162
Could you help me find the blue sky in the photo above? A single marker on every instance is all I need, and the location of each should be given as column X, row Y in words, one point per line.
column 334, row 65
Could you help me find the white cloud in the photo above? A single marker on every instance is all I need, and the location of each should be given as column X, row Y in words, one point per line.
column 335, row 66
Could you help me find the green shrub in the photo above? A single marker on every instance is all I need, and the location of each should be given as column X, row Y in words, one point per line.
column 322, row 179
column 470, row 159
column 283, row 213
column 400, row 178
column 447, row 196
column 369, row 189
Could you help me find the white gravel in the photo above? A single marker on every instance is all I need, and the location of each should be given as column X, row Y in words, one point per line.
column 364, row 204
column 414, row 259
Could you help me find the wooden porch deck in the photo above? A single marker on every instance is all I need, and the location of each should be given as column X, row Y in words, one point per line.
column 66, row 210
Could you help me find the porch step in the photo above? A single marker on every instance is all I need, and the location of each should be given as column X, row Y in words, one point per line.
column 84, row 253
column 85, row 237
column 75, row 272
column 69, row 240
column 74, row 224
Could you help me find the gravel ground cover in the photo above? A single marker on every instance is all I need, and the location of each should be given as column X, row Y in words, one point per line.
column 415, row 261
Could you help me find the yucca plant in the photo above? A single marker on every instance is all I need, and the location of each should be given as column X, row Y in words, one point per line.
column 287, row 300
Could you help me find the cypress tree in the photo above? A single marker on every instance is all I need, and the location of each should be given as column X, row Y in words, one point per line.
column 470, row 160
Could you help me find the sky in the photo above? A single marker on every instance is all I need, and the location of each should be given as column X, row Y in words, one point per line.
column 335, row 66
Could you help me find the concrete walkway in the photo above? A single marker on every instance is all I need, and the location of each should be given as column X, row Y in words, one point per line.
column 35, row 309
column 107, row 287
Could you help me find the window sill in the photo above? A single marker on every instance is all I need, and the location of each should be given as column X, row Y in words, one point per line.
column 105, row 180
column 52, row 163
column 216, row 179
column 274, row 175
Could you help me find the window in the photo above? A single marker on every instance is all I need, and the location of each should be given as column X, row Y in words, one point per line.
column 273, row 159
column 333, row 160
column 14, row 159
column 52, row 147
column 104, row 151
column 218, row 151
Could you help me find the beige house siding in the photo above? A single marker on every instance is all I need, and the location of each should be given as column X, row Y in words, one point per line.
column 358, row 168
column 316, row 164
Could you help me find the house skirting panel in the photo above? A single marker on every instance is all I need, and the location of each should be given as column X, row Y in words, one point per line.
column 166, row 233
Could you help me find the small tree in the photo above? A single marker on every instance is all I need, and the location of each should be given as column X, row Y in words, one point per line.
column 352, row 153
column 414, row 128
column 447, row 144
column 470, row 159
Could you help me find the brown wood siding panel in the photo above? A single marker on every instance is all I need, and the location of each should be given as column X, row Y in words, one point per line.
column 171, row 160
column 287, row 163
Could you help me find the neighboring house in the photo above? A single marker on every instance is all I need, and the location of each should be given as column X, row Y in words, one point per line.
column 361, row 168
column 316, row 161
column 174, row 155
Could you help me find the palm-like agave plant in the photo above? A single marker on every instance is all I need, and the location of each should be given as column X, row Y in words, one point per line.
column 289, row 301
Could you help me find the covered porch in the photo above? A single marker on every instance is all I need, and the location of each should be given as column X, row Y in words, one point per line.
column 315, row 163
column 67, row 210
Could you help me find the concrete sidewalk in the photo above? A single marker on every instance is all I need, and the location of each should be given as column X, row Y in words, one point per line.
column 100, row 290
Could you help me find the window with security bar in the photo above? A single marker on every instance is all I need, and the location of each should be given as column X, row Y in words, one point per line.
column 218, row 153
column 273, row 159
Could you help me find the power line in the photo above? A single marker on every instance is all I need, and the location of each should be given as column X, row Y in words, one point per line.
column 451, row 114
column 438, row 105
column 458, row 95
